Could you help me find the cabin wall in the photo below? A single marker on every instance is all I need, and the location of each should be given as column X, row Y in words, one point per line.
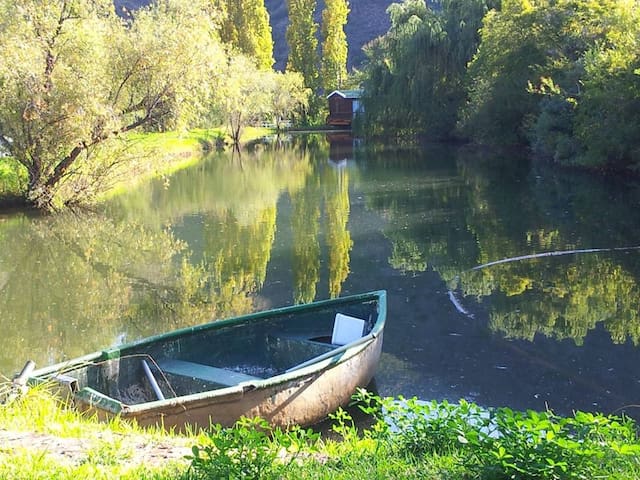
column 337, row 104
column 341, row 111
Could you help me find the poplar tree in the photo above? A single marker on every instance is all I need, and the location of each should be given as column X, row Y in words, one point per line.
column 334, row 44
column 245, row 26
column 303, row 44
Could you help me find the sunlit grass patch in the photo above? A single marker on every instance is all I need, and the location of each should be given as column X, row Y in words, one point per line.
column 13, row 177
column 405, row 438
column 42, row 437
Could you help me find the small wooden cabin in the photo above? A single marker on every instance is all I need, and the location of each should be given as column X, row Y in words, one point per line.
column 344, row 105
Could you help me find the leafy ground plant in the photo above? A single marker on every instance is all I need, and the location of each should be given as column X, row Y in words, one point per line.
column 543, row 445
column 505, row 444
column 249, row 450
column 406, row 439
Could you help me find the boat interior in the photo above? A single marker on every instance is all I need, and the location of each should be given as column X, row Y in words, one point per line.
column 205, row 359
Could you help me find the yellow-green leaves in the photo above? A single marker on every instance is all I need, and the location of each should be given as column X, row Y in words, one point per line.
column 74, row 76
column 334, row 44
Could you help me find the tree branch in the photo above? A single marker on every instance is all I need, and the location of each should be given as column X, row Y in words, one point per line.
column 66, row 162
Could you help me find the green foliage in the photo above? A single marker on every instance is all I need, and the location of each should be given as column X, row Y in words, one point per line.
column 290, row 98
column 414, row 75
column 407, row 439
column 514, row 43
column 561, row 76
column 303, row 46
column 241, row 95
column 542, row 445
column 419, row 428
column 245, row 25
column 251, row 449
column 13, row 177
column 334, row 45
column 505, row 444
column 607, row 120
column 75, row 77
column 245, row 94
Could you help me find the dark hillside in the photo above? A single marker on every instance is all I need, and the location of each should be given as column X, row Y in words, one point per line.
column 124, row 5
column 368, row 19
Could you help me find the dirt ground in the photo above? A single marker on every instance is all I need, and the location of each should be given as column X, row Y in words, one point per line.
column 134, row 450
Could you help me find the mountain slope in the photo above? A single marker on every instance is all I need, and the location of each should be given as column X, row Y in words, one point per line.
column 367, row 20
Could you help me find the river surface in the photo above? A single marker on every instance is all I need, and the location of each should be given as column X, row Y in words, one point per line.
column 552, row 322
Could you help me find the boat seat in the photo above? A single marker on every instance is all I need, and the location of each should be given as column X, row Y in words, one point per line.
column 207, row 373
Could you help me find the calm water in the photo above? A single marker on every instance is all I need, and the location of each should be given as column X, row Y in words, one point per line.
column 306, row 220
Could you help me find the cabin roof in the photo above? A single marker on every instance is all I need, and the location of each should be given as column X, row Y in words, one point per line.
column 346, row 93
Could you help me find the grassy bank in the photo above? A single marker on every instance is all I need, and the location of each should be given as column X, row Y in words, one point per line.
column 147, row 155
column 42, row 438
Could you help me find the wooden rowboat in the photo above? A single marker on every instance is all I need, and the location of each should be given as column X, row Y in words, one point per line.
column 291, row 365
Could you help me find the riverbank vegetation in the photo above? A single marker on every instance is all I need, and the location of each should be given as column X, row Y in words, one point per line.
column 561, row 77
column 76, row 79
column 144, row 156
column 403, row 439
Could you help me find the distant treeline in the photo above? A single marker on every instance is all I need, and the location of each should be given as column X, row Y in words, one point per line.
column 560, row 76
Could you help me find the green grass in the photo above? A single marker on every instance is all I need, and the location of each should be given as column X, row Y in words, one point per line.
column 149, row 155
column 112, row 445
column 407, row 439
column 162, row 154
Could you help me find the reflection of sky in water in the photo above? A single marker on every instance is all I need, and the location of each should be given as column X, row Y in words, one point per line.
column 234, row 235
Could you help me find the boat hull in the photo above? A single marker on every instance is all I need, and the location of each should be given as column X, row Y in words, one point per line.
column 304, row 400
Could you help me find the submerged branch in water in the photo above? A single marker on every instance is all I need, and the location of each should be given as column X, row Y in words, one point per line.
column 554, row 254
column 458, row 304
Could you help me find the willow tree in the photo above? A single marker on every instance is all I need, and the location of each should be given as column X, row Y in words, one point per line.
column 415, row 72
column 334, row 44
column 245, row 94
column 74, row 77
column 245, row 26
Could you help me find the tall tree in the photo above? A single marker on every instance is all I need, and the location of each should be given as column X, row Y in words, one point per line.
column 245, row 26
column 415, row 72
column 303, row 44
column 334, row 44
column 74, row 77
